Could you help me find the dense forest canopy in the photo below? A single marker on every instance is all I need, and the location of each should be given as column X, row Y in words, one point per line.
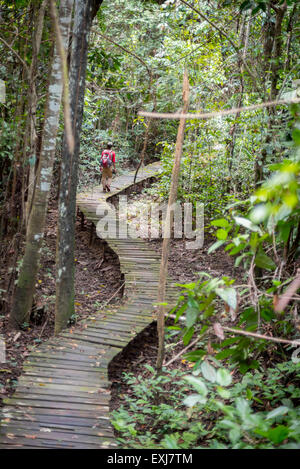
column 76, row 75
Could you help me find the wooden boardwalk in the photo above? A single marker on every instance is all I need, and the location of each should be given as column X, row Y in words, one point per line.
column 62, row 397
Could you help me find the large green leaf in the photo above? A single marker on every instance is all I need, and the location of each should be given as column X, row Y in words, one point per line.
column 223, row 377
column 263, row 261
column 278, row 434
column 197, row 384
column 208, row 372
column 191, row 316
column 229, row 295
column 221, row 234
column 246, row 223
column 222, row 223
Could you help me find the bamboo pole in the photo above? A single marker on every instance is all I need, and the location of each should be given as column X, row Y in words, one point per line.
column 166, row 241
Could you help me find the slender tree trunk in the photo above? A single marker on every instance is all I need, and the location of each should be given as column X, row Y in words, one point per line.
column 23, row 297
column 149, row 125
column 277, row 46
column 166, row 242
column 244, row 39
column 64, row 308
column 273, row 60
column 32, row 98
column 290, row 30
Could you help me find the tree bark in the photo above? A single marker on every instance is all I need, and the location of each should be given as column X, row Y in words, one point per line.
column 24, row 293
column 244, row 40
column 290, row 30
column 64, row 308
column 32, row 104
column 277, row 46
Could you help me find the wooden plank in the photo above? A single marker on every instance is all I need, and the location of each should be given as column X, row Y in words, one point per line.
column 59, row 364
column 60, row 391
column 42, row 430
column 85, row 415
column 104, row 430
column 45, row 404
column 98, row 398
column 100, row 340
column 58, row 436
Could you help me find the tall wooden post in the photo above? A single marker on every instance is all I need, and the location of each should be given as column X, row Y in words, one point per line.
column 166, row 241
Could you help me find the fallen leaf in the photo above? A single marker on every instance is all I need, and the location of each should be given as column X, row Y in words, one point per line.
column 210, row 350
column 218, row 330
column 18, row 334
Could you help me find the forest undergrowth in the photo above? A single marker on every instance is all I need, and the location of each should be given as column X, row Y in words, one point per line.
column 234, row 334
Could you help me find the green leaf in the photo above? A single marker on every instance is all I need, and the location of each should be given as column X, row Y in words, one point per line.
column 264, row 261
column 237, row 249
column 191, row 316
column 246, row 223
column 242, row 406
column 170, row 442
column 296, row 136
column 215, row 246
column 228, row 352
column 195, row 355
column 235, row 434
column 221, row 234
column 220, row 222
column 208, row 372
column 198, row 384
column 180, row 311
column 193, row 399
column 278, row 434
column 259, row 213
column 229, row 295
column 239, row 259
column 224, row 393
column 223, row 377
column 281, row 410
column 188, row 335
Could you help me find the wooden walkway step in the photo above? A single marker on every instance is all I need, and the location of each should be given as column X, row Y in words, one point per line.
column 62, row 397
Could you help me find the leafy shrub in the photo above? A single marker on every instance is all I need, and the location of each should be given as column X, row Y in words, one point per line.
column 216, row 413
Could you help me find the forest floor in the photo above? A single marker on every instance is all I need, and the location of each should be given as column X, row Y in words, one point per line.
column 97, row 278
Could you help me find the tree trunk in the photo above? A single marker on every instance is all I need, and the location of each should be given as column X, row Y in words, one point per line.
column 23, row 297
column 244, row 39
column 277, row 46
column 32, row 99
column 273, row 59
column 64, row 308
column 290, row 26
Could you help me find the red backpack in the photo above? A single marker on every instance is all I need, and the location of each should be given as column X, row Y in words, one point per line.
column 106, row 159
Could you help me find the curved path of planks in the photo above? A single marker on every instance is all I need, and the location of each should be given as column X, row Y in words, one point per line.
column 62, row 397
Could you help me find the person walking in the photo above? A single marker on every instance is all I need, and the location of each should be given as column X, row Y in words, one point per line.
column 107, row 162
